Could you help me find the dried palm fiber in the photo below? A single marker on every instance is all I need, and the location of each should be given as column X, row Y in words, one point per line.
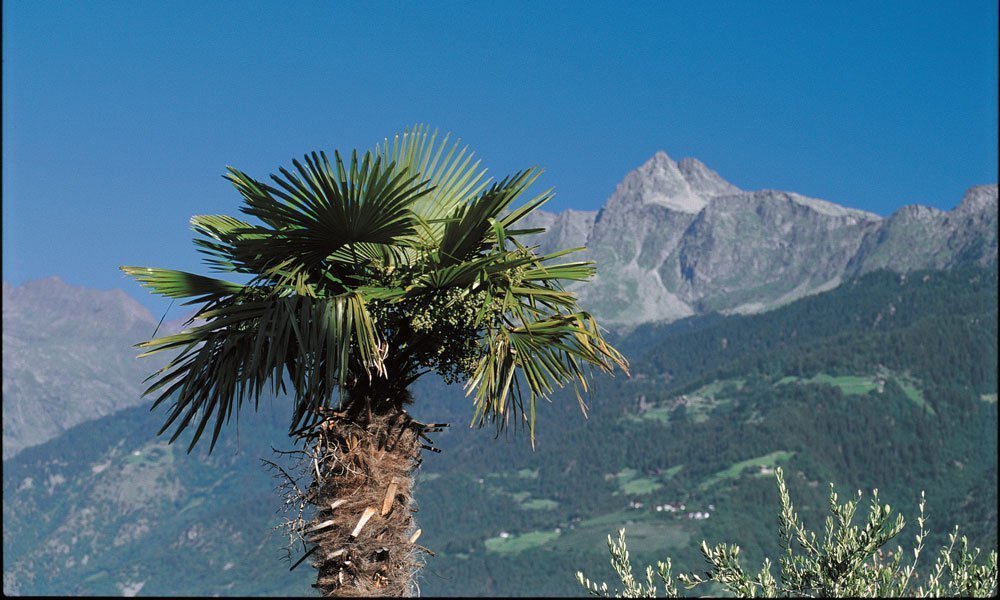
column 362, row 491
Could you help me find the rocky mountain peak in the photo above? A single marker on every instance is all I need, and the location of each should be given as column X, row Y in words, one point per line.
column 69, row 357
column 658, row 181
column 684, row 186
column 978, row 198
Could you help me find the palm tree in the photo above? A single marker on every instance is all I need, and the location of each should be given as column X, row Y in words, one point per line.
column 360, row 278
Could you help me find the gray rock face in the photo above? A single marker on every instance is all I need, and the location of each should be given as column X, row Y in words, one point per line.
column 706, row 181
column 750, row 251
column 917, row 237
column 68, row 357
column 638, row 229
column 675, row 239
column 568, row 229
column 652, row 207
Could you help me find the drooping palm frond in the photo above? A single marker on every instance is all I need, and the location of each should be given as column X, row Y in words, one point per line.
column 243, row 346
column 219, row 236
column 547, row 354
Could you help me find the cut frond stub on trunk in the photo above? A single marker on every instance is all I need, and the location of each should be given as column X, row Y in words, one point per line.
column 369, row 512
column 390, row 496
column 319, row 526
column 416, row 535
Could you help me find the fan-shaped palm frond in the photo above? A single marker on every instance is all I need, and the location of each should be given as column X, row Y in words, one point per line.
column 453, row 178
column 365, row 275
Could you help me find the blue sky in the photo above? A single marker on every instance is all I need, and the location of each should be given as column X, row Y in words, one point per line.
column 119, row 117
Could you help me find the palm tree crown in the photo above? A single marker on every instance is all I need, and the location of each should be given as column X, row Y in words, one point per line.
column 363, row 275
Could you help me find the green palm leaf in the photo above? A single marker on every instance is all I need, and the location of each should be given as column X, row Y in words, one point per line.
column 452, row 178
column 364, row 274
column 322, row 210
column 548, row 354
column 178, row 284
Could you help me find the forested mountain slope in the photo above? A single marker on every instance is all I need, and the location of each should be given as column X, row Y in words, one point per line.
column 887, row 381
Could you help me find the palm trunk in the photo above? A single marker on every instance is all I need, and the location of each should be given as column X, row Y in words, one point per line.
column 363, row 526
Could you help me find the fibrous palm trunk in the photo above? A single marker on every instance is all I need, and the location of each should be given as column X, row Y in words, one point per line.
column 363, row 525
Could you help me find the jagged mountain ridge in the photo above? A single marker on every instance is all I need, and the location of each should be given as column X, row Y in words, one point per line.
column 675, row 239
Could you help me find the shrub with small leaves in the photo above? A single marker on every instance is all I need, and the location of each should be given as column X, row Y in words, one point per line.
column 847, row 561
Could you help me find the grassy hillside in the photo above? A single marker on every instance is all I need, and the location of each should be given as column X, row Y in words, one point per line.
column 886, row 381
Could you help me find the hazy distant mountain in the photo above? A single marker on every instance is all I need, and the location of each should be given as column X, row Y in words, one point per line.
column 68, row 357
column 675, row 239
